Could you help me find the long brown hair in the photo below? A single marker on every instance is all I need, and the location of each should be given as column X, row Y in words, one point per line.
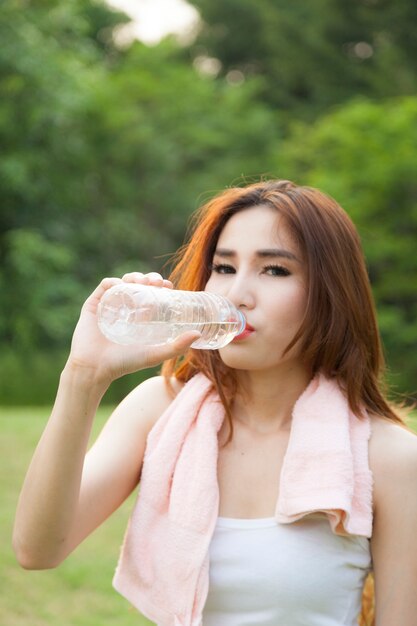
column 339, row 334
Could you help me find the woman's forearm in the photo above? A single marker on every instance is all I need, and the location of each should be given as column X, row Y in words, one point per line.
column 51, row 516
column 49, row 496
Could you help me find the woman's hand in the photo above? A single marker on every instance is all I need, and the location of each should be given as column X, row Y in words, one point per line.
column 104, row 360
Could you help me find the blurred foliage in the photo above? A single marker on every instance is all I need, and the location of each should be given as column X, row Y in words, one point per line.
column 107, row 149
column 312, row 55
column 105, row 153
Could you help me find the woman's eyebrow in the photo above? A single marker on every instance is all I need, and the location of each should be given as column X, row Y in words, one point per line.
column 263, row 254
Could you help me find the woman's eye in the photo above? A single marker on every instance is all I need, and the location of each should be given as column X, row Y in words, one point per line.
column 222, row 268
column 276, row 270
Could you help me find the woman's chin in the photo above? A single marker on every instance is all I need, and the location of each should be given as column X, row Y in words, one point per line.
column 240, row 359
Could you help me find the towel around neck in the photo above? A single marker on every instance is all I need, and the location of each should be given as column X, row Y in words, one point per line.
column 163, row 568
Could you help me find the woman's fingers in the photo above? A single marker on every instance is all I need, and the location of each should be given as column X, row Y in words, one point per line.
column 157, row 354
column 151, row 278
column 113, row 360
column 134, row 277
column 184, row 341
column 95, row 297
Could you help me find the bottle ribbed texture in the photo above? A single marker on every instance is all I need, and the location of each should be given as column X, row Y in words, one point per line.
column 131, row 313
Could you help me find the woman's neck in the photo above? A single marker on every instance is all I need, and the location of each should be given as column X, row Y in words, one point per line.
column 265, row 400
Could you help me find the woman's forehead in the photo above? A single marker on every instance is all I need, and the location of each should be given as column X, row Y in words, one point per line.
column 258, row 227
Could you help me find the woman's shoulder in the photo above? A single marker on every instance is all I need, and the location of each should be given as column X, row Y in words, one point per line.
column 393, row 460
column 392, row 451
column 168, row 388
column 147, row 402
column 156, row 393
column 390, row 435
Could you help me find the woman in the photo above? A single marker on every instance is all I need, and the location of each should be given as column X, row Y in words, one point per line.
column 290, row 259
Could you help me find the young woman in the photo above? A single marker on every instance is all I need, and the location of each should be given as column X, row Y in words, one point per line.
column 290, row 259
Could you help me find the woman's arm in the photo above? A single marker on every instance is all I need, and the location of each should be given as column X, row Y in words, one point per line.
column 67, row 494
column 394, row 538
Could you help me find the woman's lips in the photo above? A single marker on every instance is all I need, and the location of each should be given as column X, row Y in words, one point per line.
column 246, row 332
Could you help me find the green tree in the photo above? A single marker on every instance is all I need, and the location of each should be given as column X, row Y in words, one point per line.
column 104, row 155
column 42, row 293
column 313, row 55
column 106, row 151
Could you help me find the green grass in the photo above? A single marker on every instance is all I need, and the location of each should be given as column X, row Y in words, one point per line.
column 79, row 592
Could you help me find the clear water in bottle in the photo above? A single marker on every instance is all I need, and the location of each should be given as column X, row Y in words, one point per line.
column 132, row 313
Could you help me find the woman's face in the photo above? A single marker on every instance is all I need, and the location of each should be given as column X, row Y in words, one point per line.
column 259, row 268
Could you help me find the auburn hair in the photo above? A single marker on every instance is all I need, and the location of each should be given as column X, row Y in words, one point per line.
column 339, row 334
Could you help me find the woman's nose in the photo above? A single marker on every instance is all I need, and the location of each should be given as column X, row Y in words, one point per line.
column 240, row 292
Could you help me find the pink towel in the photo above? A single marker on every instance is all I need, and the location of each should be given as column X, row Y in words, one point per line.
column 164, row 563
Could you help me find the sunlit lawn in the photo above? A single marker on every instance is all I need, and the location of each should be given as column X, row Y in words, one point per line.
column 79, row 592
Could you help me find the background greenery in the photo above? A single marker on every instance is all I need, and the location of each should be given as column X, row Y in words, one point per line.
column 107, row 149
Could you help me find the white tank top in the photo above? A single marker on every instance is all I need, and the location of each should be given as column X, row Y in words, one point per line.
column 263, row 573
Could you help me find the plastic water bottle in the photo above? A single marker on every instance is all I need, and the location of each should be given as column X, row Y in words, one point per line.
column 130, row 313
